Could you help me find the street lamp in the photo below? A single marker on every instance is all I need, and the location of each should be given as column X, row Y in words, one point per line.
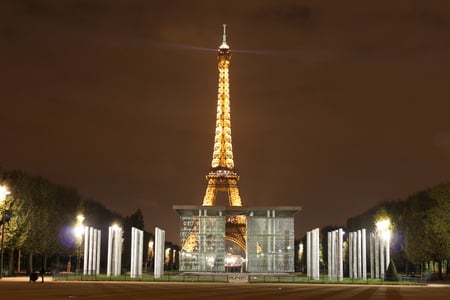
column 150, row 254
column 300, row 255
column 79, row 230
column 3, row 193
column 174, row 257
column 167, row 256
column 383, row 227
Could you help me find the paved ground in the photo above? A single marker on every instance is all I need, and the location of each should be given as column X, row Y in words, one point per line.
column 21, row 289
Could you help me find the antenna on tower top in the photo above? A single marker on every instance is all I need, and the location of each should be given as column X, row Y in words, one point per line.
column 224, row 41
column 225, row 33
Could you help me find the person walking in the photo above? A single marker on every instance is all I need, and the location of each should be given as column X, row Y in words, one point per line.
column 42, row 273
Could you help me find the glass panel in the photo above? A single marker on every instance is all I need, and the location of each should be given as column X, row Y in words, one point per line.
column 270, row 244
column 203, row 243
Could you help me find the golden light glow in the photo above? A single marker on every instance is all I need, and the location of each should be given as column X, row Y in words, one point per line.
column 384, row 229
column 223, row 149
column 191, row 243
column 79, row 227
column 222, row 177
column 3, row 192
column 80, row 219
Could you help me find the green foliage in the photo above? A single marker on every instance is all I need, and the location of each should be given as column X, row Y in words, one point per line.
column 439, row 221
column 41, row 210
column 420, row 224
column 426, row 224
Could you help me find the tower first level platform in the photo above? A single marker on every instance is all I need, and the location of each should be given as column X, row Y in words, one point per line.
column 269, row 233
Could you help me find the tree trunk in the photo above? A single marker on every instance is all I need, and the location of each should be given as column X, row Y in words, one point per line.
column 30, row 263
column 439, row 270
column 19, row 254
column 11, row 261
column 45, row 262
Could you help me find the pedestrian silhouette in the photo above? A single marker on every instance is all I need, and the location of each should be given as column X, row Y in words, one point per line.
column 42, row 273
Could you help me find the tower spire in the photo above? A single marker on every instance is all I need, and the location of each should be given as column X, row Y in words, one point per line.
column 222, row 177
column 224, row 38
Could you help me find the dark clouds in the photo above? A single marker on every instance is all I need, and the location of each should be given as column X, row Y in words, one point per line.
column 335, row 105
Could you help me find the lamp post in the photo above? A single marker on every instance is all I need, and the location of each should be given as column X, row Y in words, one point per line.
column 174, row 258
column 300, row 255
column 167, row 257
column 3, row 193
column 79, row 230
column 384, row 232
column 150, row 254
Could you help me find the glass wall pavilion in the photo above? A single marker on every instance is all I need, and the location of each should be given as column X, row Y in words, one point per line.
column 269, row 238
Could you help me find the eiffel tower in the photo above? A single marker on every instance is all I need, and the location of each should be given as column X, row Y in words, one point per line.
column 222, row 177
column 263, row 235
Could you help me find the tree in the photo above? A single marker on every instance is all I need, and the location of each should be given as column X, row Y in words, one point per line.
column 437, row 226
column 134, row 220
column 426, row 220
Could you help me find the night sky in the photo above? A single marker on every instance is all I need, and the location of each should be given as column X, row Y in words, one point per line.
column 336, row 106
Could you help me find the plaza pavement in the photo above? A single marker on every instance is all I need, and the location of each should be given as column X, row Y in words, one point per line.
column 20, row 288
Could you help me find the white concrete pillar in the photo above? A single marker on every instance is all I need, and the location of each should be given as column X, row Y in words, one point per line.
column 382, row 261
column 377, row 255
column 91, row 249
column 364, row 253
column 350, row 254
column 340, row 257
column 309, row 250
column 136, row 252
column 86, row 250
column 330, row 256
column 99, row 241
column 114, row 251
column 314, row 251
column 159, row 252
column 372, row 255
column 359, row 255
column 388, row 254
column 93, row 261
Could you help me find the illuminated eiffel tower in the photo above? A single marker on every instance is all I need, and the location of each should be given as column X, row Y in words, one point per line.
column 222, row 177
column 263, row 236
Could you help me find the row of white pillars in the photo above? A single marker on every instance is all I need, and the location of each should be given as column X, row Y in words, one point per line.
column 92, row 241
column 357, row 254
column 379, row 255
column 114, row 251
column 312, row 259
column 335, row 255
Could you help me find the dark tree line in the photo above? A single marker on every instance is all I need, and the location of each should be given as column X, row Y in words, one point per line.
column 41, row 214
column 421, row 230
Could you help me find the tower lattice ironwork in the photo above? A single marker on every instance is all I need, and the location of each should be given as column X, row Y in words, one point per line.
column 222, row 177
